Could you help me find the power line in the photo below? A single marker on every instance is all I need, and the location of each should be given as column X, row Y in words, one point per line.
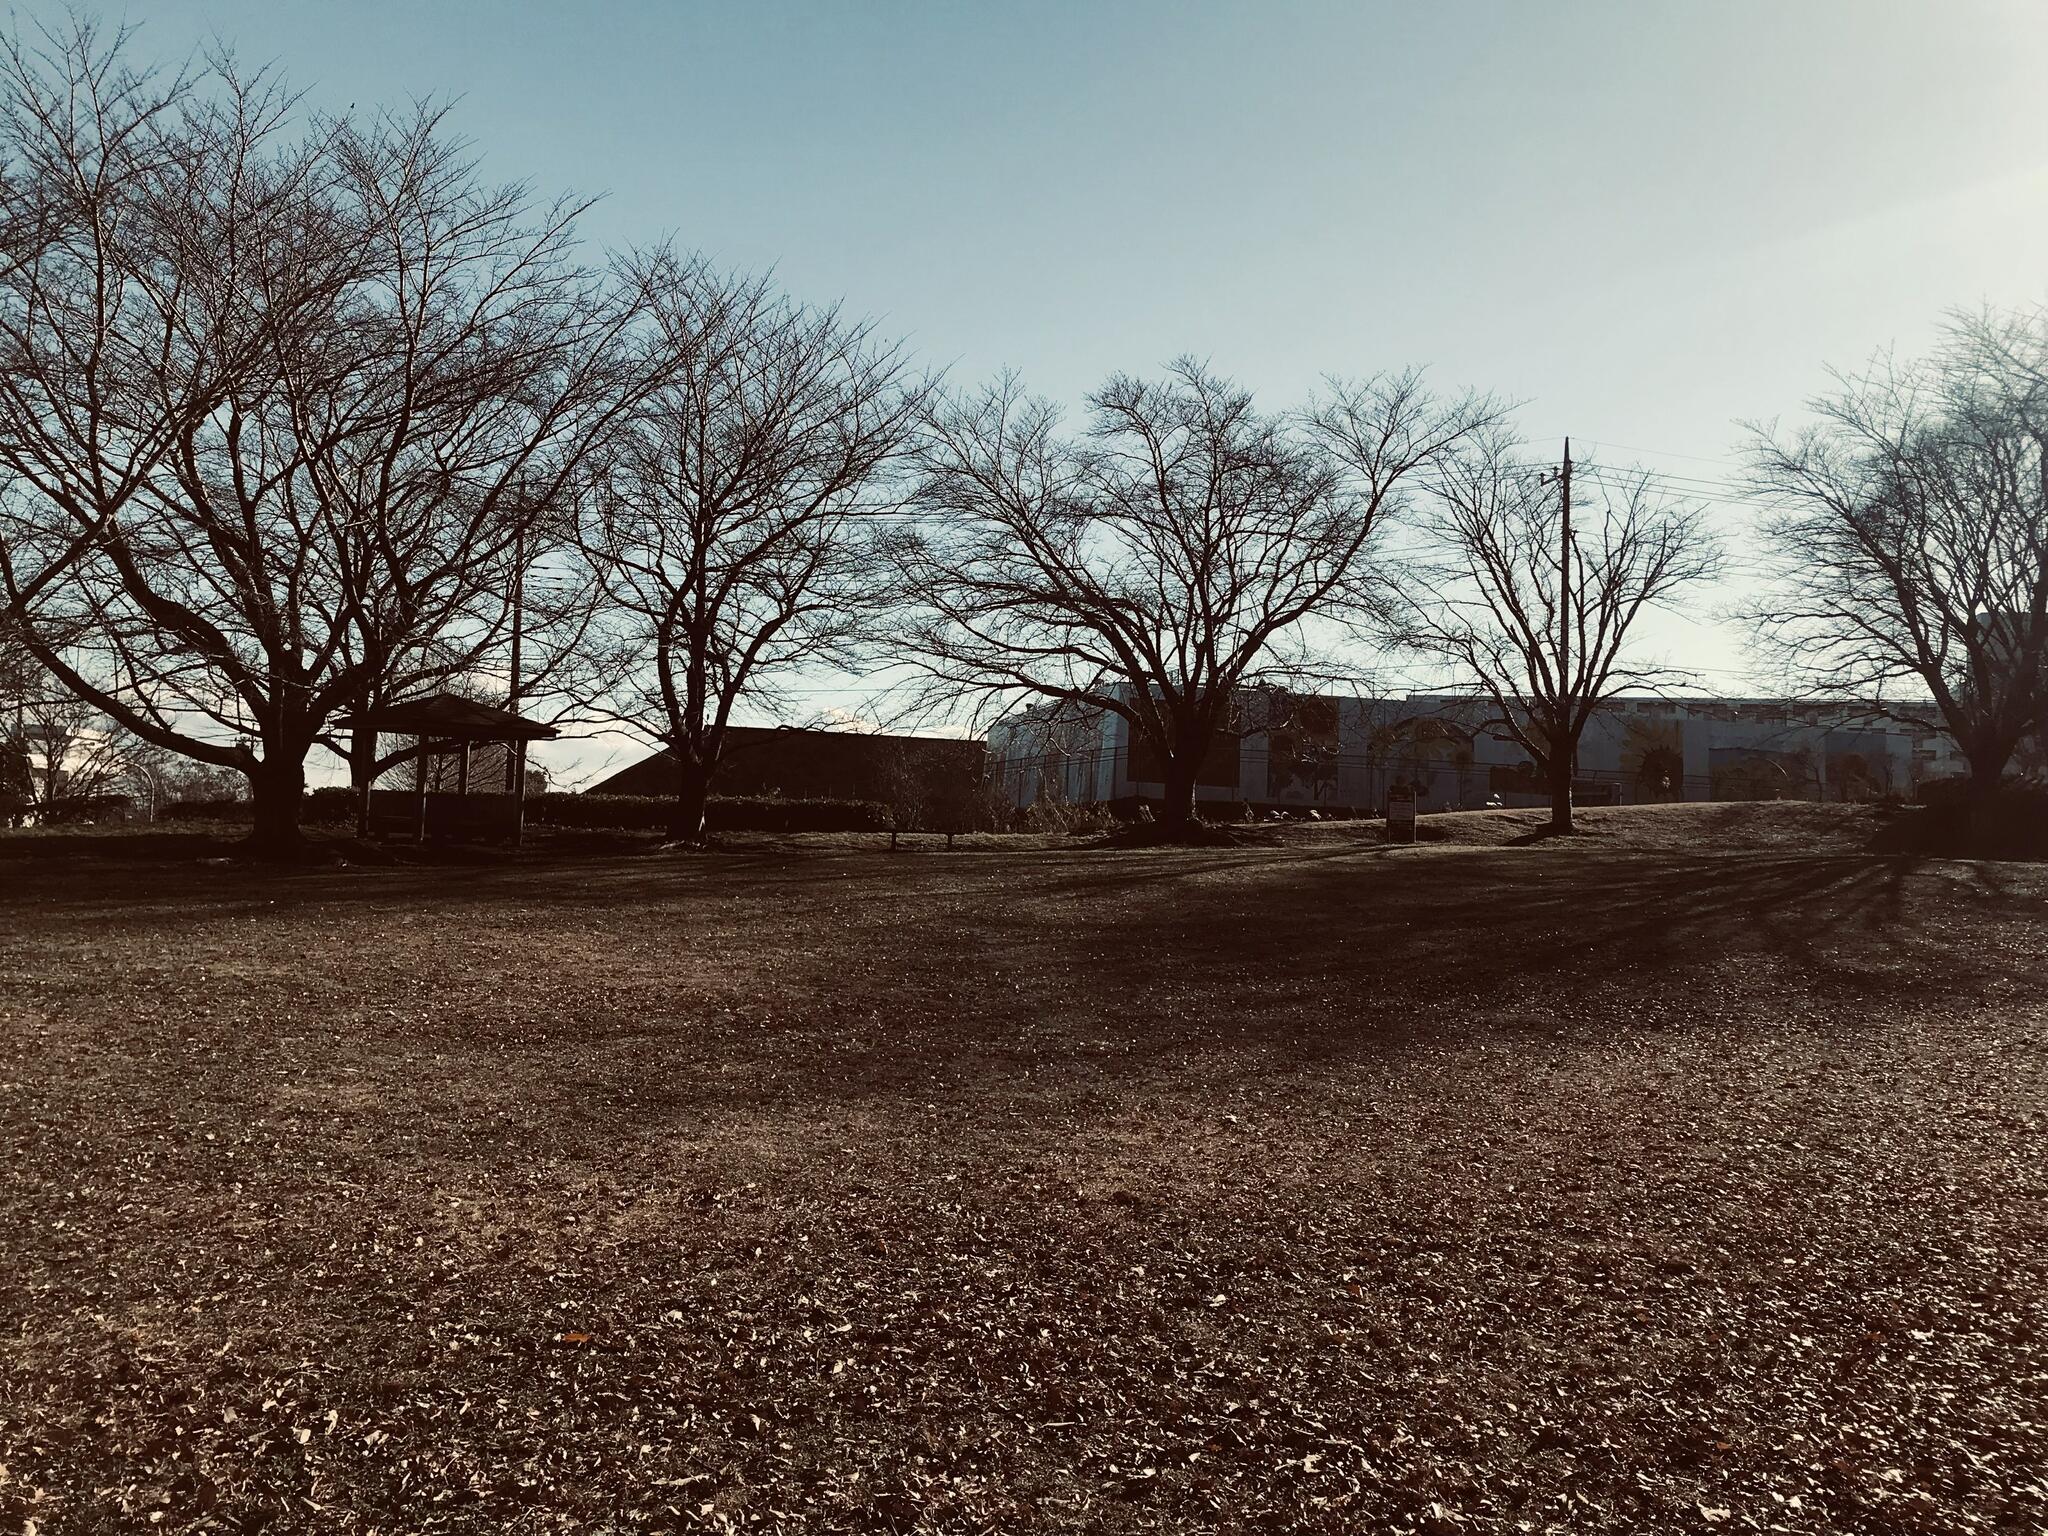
column 1682, row 486
column 1664, row 453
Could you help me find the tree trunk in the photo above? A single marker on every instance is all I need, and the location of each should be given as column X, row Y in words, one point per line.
column 1560, row 792
column 693, row 790
column 1987, row 772
column 1177, row 809
column 277, row 785
column 1980, row 819
column 362, row 774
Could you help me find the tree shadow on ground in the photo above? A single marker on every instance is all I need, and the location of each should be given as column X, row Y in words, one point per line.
column 643, row 997
column 1548, row 834
column 1334, row 963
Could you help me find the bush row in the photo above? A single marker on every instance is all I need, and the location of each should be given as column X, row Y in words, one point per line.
column 335, row 805
column 2012, row 822
column 1942, row 794
column 329, row 805
column 218, row 810
column 725, row 813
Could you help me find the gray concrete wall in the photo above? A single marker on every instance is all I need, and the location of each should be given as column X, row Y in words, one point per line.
column 1443, row 745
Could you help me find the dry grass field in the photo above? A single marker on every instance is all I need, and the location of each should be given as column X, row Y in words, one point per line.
column 1687, row 1175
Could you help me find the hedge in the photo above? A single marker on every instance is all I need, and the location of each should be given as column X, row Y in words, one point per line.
column 329, row 805
column 1942, row 794
column 335, row 805
column 223, row 810
column 2012, row 821
column 724, row 813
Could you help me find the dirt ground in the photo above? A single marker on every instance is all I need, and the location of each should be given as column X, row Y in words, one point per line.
column 1684, row 1176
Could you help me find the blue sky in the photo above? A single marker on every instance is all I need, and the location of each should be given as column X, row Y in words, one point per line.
column 1647, row 221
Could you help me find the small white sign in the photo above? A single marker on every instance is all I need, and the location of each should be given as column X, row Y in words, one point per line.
column 1401, row 814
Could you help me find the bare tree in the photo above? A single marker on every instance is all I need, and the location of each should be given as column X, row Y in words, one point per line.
column 173, row 778
column 731, row 536
column 937, row 786
column 1171, row 560
column 20, row 682
column 77, row 759
column 91, row 153
column 160, row 244
column 19, row 673
column 1531, row 583
column 361, row 372
column 959, row 793
column 450, row 422
column 59, row 757
column 906, row 789
column 1911, row 530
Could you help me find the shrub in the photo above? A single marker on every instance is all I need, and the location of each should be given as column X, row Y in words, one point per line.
column 1065, row 816
column 1942, row 794
column 770, row 813
column 222, row 809
column 1089, row 820
column 1045, row 815
column 86, row 811
column 2010, row 823
column 329, row 805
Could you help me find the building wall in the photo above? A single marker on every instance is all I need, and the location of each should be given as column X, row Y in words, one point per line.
column 1343, row 754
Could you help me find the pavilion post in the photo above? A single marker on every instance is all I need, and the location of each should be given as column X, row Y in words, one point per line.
column 462, row 771
column 515, row 754
column 420, row 829
column 363, row 745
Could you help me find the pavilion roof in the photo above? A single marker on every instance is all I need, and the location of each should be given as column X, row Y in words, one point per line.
column 450, row 717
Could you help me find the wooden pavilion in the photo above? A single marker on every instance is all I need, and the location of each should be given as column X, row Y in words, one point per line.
column 448, row 725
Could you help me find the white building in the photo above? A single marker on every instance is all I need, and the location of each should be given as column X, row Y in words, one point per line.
column 1342, row 754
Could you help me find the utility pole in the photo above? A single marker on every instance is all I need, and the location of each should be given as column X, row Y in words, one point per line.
column 1564, row 579
column 515, row 752
column 1563, row 772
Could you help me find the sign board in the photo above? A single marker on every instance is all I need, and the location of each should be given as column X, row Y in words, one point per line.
column 1400, row 814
